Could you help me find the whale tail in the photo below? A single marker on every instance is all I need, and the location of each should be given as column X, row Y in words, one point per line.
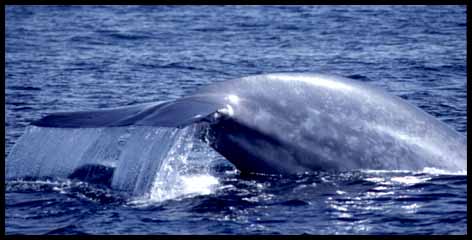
column 178, row 113
column 125, row 148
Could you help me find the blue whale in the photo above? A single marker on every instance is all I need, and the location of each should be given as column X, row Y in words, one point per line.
column 288, row 123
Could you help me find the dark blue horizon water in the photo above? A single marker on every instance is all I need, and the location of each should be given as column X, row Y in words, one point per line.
column 70, row 58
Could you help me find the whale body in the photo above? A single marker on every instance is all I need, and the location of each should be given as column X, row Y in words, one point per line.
column 288, row 123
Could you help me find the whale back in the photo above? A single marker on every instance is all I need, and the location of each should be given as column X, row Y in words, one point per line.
column 300, row 122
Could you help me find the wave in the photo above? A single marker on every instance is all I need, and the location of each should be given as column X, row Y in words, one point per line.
column 426, row 170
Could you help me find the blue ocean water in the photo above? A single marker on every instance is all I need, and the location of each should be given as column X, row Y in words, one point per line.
column 69, row 58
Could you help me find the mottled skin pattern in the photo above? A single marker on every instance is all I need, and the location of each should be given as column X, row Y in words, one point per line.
column 289, row 123
column 292, row 123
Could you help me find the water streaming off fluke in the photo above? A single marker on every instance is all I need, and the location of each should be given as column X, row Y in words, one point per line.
column 150, row 162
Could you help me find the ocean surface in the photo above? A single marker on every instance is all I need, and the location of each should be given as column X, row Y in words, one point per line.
column 70, row 58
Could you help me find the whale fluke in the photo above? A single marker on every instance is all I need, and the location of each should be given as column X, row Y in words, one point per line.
column 178, row 113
